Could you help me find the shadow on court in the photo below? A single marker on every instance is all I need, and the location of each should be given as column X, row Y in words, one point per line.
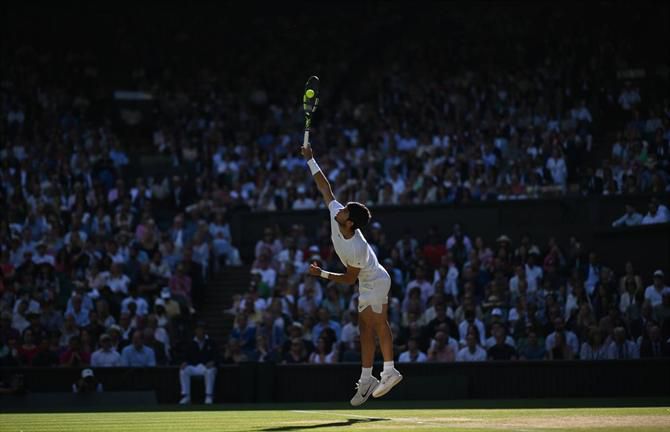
column 349, row 422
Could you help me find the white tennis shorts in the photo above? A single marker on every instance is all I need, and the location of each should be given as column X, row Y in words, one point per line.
column 375, row 292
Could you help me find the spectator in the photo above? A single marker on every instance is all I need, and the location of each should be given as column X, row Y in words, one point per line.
column 561, row 350
column 413, row 354
column 569, row 337
column 501, row 350
column 244, row 333
column 297, row 353
column 157, row 346
column 654, row 292
column 201, row 360
column 654, row 346
column 469, row 321
column 595, row 348
column 324, row 353
column 106, row 355
column 657, row 213
column 74, row 356
column 472, row 351
column 441, row 350
column 532, row 349
column 630, row 218
column 620, row 347
column 325, row 323
column 45, row 357
column 137, row 354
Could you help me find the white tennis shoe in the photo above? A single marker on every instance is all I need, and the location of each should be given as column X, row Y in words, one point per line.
column 364, row 390
column 388, row 381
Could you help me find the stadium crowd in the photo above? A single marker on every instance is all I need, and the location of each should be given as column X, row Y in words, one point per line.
column 94, row 272
column 453, row 299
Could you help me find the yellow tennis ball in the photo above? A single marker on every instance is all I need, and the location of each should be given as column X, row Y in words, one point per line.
column 309, row 93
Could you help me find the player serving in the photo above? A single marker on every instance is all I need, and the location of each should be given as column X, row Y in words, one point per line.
column 374, row 284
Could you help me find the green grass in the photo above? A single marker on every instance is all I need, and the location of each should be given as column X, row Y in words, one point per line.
column 339, row 417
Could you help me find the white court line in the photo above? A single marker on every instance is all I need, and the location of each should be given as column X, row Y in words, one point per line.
column 369, row 417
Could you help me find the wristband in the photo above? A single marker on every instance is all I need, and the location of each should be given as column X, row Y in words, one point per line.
column 324, row 274
column 313, row 166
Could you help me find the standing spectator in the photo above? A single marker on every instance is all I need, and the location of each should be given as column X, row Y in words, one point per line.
column 630, row 218
column 201, row 360
column 413, row 354
column 472, row 351
column 137, row 354
column 654, row 292
column 621, row 348
column 106, row 355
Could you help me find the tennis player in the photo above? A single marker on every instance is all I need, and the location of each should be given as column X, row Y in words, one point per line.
column 374, row 284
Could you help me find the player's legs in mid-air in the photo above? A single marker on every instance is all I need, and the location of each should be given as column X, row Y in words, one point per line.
column 373, row 321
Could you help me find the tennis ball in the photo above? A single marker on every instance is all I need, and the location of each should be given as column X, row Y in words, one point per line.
column 309, row 93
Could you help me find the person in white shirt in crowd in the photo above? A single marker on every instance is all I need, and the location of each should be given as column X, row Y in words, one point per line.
column 413, row 354
column 118, row 282
column 629, row 97
column 534, row 272
column 654, row 292
column 142, row 305
column 658, row 213
column 520, row 274
column 427, row 289
column 106, row 356
column 445, row 278
column 451, row 241
column 350, row 329
column 592, row 275
column 630, row 218
column 570, row 337
column 42, row 257
column 268, row 274
column 469, row 319
column 621, row 348
column 472, row 351
column 557, row 167
column 303, row 202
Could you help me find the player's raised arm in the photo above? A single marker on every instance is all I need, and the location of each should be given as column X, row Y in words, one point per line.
column 321, row 181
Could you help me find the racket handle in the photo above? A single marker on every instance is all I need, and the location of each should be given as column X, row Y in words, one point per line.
column 305, row 142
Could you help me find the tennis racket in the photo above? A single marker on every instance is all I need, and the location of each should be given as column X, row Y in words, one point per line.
column 310, row 101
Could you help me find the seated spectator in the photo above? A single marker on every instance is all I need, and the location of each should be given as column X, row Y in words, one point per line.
column 470, row 320
column 569, row 337
column 45, row 356
column 137, row 354
column 297, row 352
column 74, row 356
column 532, row 349
column 262, row 352
column 244, row 333
column 560, row 350
column 325, row 323
column 324, row 353
column 654, row 346
column 595, row 347
column 654, row 292
column 621, row 348
column 630, row 218
column 472, row 351
column 352, row 350
column 140, row 303
column 492, row 340
column 233, row 354
column 106, row 355
column 441, row 350
column 157, row 346
column 201, row 360
column 28, row 350
column 350, row 329
column 413, row 354
column 501, row 350
column 658, row 213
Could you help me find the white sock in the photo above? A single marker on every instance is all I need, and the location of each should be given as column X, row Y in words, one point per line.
column 388, row 366
column 366, row 374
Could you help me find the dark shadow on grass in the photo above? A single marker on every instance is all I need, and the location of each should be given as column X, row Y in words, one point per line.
column 348, row 422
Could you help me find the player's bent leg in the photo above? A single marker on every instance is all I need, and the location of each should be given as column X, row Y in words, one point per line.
column 367, row 383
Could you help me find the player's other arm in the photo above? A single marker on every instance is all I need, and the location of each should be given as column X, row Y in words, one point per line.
column 319, row 177
column 347, row 278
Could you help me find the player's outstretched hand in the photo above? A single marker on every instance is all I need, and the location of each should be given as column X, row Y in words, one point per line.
column 307, row 152
column 314, row 270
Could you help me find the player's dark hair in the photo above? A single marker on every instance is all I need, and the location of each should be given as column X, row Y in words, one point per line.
column 358, row 214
